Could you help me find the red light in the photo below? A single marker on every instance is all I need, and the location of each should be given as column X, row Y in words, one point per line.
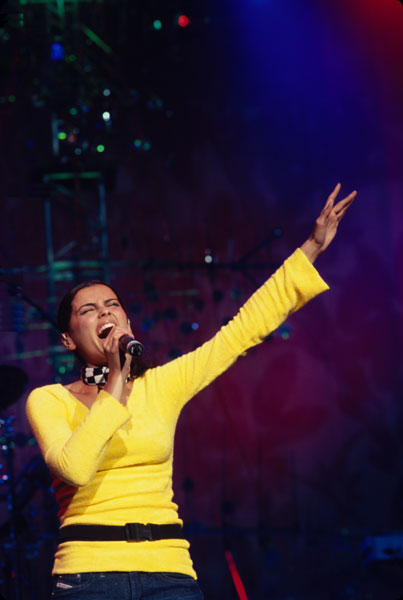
column 183, row 21
column 236, row 578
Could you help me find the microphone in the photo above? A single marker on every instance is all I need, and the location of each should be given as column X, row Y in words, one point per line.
column 129, row 345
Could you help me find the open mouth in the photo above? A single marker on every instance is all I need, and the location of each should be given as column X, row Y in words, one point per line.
column 105, row 330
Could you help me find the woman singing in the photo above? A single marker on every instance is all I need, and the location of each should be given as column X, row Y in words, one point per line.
column 108, row 438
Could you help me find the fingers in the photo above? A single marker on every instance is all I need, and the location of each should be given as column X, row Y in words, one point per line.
column 332, row 197
column 111, row 342
column 343, row 205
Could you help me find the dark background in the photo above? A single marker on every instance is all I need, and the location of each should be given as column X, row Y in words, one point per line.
column 225, row 138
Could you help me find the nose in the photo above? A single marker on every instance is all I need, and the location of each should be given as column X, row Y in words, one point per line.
column 104, row 310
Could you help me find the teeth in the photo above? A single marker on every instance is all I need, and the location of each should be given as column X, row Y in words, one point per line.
column 104, row 330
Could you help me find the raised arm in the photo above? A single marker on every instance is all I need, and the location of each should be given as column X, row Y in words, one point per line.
column 288, row 289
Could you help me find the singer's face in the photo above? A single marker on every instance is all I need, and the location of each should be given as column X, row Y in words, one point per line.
column 96, row 310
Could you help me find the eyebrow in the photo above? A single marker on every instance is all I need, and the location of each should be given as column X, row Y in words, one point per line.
column 94, row 304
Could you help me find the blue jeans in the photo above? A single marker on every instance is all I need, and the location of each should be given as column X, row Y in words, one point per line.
column 125, row 586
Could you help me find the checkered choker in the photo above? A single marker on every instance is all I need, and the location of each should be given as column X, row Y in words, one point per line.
column 95, row 375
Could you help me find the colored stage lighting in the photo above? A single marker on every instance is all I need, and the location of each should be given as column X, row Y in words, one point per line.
column 106, row 116
column 62, row 135
column 157, row 24
column 183, row 20
column 57, row 52
column 100, row 148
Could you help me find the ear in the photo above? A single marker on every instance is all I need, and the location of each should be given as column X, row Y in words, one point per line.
column 68, row 342
column 128, row 323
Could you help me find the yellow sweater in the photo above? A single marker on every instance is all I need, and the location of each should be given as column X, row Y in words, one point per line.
column 112, row 464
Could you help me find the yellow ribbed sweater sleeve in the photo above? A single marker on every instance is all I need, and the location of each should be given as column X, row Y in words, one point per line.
column 287, row 290
column 74, row 456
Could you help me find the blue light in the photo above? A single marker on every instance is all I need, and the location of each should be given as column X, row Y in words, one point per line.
column 56, row 52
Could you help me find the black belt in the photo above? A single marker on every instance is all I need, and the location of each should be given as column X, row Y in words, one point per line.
column 131, row 532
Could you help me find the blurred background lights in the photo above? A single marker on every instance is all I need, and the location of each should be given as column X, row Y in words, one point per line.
column 100, row 148
column 284, row 331
column 62, row 135
column 57, row 52
column 208, row 258
column 157, row 24
column 106, row 115
column 137, row 143
column 106, row 92
column 183, row 20
column 147, row 146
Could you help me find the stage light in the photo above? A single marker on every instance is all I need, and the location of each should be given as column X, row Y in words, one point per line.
column 73, row 111
column 284, row 331
column 100, row 148
column 157, row 24
column 147, row 146
column 106, row 116
column 137, row 143
column 183, row 20
column 195, row 326
column 62, row 135
column 78, row 151
column 57, row 52
column 208, row 258
column 106, row 92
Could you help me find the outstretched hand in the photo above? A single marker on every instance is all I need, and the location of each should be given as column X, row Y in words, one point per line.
column 326, row 224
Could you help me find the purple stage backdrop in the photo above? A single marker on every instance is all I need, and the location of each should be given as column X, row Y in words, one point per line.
column 294, row 456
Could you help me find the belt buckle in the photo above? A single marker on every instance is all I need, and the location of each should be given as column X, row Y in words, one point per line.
column 138, row 532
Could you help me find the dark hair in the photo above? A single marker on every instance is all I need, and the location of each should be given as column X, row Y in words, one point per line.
column 138, row 367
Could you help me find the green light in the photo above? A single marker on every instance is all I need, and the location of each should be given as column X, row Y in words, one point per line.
column 96, row 39
column 62, row 370
column 73, row 112
column 137, row 143
column 70, row 58
column 69, row 176
column 12, row 98
column 157, row 24
column 146, row 145
column 100, row 148
column 62, row 135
